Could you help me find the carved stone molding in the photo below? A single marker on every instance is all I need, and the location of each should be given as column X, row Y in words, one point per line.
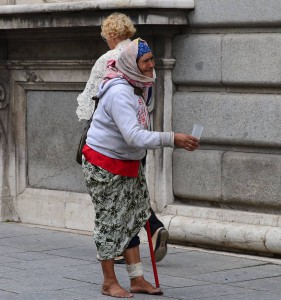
column 2, row 93
column 97, row 5
column 3, row 115
column 165, row 63
column 6, row 207
column 2, row 96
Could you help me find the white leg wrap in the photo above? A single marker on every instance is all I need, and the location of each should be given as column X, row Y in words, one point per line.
column 134, row 270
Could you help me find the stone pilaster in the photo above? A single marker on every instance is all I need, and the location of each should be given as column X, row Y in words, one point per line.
column 6, row 206
column 159, row 168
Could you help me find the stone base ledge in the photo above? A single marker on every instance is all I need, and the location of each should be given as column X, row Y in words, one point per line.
column 217, row 228
column 200, row 226
column 223, row 215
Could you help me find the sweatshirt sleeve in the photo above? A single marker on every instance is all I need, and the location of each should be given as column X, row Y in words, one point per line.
column 124, row 114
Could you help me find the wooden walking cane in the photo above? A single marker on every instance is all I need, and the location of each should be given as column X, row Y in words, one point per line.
column 152, row 254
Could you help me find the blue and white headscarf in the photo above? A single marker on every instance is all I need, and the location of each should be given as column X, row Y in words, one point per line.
column 127, row 62
column 143, row 48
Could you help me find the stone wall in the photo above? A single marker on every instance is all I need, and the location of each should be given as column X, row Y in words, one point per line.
column 228, row 77
column 46, row 55
column 225, row 60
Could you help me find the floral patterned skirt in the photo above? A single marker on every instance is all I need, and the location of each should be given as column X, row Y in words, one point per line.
column 122, row 207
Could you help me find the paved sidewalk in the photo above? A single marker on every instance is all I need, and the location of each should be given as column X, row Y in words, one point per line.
column 44, row 264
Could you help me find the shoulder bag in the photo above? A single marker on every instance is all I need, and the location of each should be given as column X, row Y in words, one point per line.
column 83, row 138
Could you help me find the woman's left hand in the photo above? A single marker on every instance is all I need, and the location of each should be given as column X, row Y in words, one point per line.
column 187, row 142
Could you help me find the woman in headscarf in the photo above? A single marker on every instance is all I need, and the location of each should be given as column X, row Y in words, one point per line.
column 116, row 30
column 116, row 142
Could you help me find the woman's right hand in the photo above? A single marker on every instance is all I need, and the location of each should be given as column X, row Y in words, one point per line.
column 187, row 142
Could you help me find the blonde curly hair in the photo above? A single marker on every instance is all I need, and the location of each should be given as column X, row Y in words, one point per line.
column 117, row 25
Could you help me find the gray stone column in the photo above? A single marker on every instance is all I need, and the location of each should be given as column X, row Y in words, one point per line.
column 159, row 170
column 6, row 207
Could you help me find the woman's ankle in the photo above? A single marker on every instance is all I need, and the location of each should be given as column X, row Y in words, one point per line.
column 114, row 289
column 109, row 282
column 141, row 277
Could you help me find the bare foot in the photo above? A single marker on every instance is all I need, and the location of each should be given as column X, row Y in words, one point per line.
column 115, row 290
column 140, row 286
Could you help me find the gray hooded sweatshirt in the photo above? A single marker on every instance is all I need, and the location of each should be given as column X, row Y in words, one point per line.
column 115, row 129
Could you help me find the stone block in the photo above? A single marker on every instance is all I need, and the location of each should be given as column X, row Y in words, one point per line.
column 53, row 133
column 233, row 119
column 35, row 210
column 229, row 13
column 197, row 175
column 80, row 216
column 251, row 59
column 56, row 208
column 251, row 178
column 198, row 59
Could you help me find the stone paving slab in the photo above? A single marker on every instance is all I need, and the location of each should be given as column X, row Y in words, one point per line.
column 268, row 284
column 250, row 295
column 75, row 252
column 201, row 291
column 46, row 264
column 244, row 274
column 44, row 241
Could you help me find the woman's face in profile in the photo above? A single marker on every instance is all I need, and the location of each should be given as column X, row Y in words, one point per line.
column 146, row 64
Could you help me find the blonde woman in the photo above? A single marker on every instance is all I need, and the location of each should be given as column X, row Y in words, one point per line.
column 117, row 29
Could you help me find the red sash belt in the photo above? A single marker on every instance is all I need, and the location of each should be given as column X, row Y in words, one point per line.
column 116, row 166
